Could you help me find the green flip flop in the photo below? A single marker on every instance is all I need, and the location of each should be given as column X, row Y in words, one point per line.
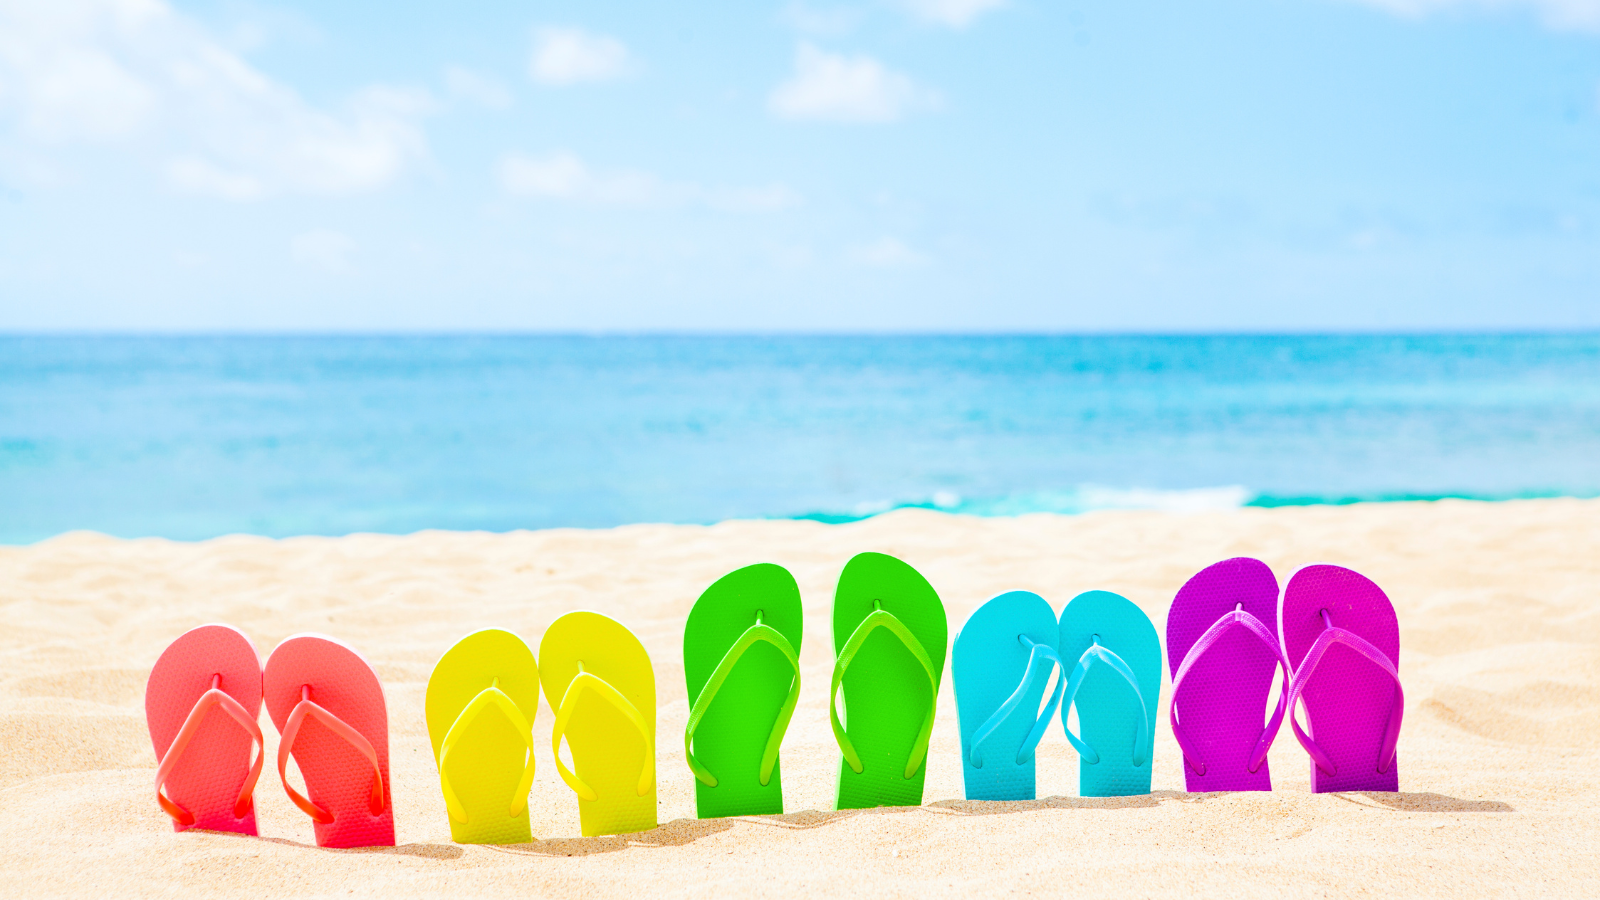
column 889, row 637
column 742, row 667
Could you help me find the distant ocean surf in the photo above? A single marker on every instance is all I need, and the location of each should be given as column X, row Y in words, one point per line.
column 193, row 437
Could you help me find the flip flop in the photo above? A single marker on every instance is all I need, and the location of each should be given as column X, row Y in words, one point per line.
column 204, row 776
column 480, row 704
column 328, row 706
column 597, row 677
column 1342, row 638
column 743, row 673
column 889, row 637
column 1115, row 684
column 1222, row 647
column 1001, row 662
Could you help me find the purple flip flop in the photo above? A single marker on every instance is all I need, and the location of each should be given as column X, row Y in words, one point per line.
column 1222, row 649
column 1343, row 640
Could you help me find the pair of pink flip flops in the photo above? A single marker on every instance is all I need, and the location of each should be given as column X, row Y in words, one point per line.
column 327, row 705
column 1334, row 635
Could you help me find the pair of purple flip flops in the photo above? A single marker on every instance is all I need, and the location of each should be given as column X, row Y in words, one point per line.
column 1335, row 636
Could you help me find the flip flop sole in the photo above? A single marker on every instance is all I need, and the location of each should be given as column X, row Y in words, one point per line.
column 1223, row 700
column 1348, row 697
column 987, row 663
column 338, row 777
column 607, row 752
column 487, row 759
column 1108, row 709
column 208, row 777
column 885, row 691
column 731, row 737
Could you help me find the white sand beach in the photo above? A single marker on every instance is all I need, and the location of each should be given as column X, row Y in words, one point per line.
column 1499, row 607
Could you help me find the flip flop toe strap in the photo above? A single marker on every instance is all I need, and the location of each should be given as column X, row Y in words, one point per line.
column 213, row 697
column 569, row 704
column 1042, row 661
column 882, row 618
column 291, row 730
column 490, row 696
column 1332, row 634
column 1238, row 618
column 757, row 633
column 1118, row 665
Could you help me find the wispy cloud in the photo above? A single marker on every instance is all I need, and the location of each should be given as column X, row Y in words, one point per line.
column 1560, row 15
column 136, row 73
column 830, row 21
column 323, row 249
column 565, row 56
column 838, row 88
column 950, row 13
column 565, row 176
column 476, row 88
column 887, row 253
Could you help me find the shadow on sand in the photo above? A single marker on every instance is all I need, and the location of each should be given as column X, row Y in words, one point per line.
column 1423, row 802
column 680, row 832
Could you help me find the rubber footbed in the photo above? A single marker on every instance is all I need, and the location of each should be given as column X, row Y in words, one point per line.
column 338, row 777
column 605, row 747
column 1108, row 709
column 885, row 691
column 487, row 759
column 1348, row 698
column 732, row 736
column 987, row 664
column 208, row 777
column 1222, row 702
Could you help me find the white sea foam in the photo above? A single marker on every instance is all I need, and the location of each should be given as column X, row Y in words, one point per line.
column 1084, row 498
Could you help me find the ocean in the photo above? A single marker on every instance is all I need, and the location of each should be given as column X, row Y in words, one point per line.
column 194, row 437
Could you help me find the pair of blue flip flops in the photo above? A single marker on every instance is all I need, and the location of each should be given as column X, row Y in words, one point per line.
column 1002, row 662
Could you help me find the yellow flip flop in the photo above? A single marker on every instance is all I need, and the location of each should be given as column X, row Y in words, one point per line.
column 597, row 677
column 481, row 700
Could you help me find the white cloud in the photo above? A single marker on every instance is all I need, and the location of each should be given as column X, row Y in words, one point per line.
column 887, row 253
column 839, row 88
column 1561, row 15
column 565, row 176
column 950, row 13
column 480, row 89
column 196, row 176
column 564, row 56
column 815, row 20
column 324, row 249
column 136, row 74
column 767, row 198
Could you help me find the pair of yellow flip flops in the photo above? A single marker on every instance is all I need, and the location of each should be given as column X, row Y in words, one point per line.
column 481, row 702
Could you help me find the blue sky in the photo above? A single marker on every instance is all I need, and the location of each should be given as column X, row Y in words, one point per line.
column 906, row 165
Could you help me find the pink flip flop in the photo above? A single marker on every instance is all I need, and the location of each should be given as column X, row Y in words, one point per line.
column 328, row 706
column 1343, row 640
column 204, row 776
column 1222, row 648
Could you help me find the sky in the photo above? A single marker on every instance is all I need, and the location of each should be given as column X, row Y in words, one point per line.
column 902, row 165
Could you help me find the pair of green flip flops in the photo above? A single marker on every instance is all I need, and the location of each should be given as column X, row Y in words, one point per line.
column 741, row 664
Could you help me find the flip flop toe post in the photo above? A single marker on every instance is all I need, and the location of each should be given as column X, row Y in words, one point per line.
column 328, row 707
column 201, row 703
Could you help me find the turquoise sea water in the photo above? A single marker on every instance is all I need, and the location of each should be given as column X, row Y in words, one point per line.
column 191, row 437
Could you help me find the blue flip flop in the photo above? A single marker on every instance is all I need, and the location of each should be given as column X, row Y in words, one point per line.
column 1002, row 660
column 1115, row 683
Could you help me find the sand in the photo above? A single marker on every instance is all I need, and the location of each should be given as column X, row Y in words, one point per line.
column 1499, row 758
